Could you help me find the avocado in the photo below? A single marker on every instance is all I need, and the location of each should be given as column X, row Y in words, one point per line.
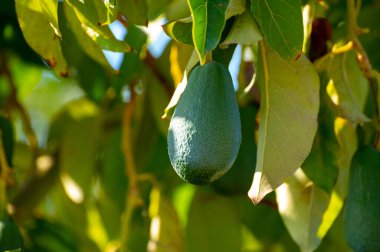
column 362, row 210
column 239, row 178
column 10, row 237
column 205, row 132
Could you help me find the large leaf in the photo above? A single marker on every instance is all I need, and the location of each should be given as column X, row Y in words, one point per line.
column 281, row 24
column 208, row 23
column 302, row 206
column 75, row 131
column 41, row 36
column 134, row 11
column 288, row 119
column 244, row 31
column 209, row 215
column 351, row 86
column 87, row 44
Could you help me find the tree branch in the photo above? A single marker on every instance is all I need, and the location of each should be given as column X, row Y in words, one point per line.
column 14, row 103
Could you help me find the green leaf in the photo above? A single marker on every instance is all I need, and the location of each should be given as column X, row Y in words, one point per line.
column 107, row 11
column 49, row 8
column 135, row 11
column 235, row 7
column 281, row 24
column 288, row 119
column 209, row 214
column 113, row 176
column 180, row 30
column 302, row 205
column 75, row 131
column 177, row 9
column 244, row 31
column 40, row 36
column 102, row 35
column 348, row 144
column 10, row 237
column 166, row 233
column 88, row 45
column 321, row 166
column 208, row 23
column 351, row 86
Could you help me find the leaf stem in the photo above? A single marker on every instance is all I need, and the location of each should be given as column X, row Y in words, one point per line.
column 353, row 8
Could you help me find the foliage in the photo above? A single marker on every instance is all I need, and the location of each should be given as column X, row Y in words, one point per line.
column 84, row 162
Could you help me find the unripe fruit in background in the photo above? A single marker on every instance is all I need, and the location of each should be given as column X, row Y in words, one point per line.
column 362, row 209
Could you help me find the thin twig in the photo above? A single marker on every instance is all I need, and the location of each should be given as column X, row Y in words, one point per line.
column 133, row 199
column 149, row 61
column 14, row 103
column 353, row 8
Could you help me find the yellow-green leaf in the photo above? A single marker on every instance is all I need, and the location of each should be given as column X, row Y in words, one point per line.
column 208, row 23
column 40, row 35
column 244, row 31
column 288, row 119
column 351, row 86
column 301, row 205
column 281, row 24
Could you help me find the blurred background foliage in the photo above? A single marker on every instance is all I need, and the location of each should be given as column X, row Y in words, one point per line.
column 84, row 163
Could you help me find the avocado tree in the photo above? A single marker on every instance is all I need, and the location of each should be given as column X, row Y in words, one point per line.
column 198, row 125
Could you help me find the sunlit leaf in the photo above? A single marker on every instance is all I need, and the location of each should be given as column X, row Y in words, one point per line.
column 182, row 199
column 87, row 44
column 288, row 119
column 107, row 10
column 281, row 24
column 208, row 23
column 244, row 31
column 89, row 20
column 40, row 36
column 179, row 57
column 348, row 144
column 77, row 148
column 49, row 8
column 176, row 96
column 351, row 86
column 180, row 30
column 166, row 232
column 302, row 206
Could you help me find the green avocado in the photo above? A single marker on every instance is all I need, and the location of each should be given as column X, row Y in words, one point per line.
column 10, row 237
column 205, row 132
column 362, row 209
column 239, row 178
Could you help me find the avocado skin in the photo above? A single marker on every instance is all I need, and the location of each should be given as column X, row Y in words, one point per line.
column 239, row 178
column 205, row 132
column 362, row 210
